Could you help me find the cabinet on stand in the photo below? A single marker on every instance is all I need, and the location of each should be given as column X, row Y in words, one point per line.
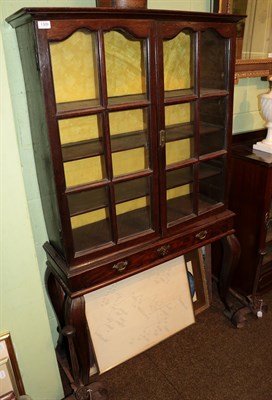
column 131, row 119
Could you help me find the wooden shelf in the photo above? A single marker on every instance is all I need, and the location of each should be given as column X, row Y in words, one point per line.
column 207, row 171
column 90, row 200
column 79, row 107
column 91, row 106
column 179, row 131
column 94, row 147
column 179, row 177
column 99, row 233
column 187, row 92
column 180, row 207
column 211, row 92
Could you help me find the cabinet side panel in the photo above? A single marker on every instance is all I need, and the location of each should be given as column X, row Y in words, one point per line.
column 36, row 109
column 246, row 200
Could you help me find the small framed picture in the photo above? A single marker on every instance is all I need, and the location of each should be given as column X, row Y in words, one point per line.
column 11, row 384
column 197, row 276
column 221, row 6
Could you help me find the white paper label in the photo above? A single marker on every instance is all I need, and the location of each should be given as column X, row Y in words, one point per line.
column 2, row 374
column 44, row 24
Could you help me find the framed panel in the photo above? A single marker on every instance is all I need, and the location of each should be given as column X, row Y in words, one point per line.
column 11, row 384
column 197, row 279
column 130, row 316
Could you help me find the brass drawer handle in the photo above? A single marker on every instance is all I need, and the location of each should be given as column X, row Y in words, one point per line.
column 201, row 235
column 163, row 251
column 120, row 266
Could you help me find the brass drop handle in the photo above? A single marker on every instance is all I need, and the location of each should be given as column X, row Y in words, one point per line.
column 201, row 235
column 163, row 250
column 120, row 266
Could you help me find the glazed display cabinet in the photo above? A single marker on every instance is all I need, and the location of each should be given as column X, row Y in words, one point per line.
column 131, row 119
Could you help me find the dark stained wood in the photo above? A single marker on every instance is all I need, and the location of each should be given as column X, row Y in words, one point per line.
column 251, row 199
column 86, row 258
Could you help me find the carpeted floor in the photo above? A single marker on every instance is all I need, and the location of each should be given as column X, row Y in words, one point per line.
column 208, row 360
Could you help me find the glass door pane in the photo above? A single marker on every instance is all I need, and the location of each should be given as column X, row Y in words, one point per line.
column 178, row 59
column 211, row 183
column 213, row 121
column 129, row 136
column 133, row 206
column 75, row 71
column 213, row 62
column 125, row 67
column 180, row 193
column 82, row 150
column 179, row 128
column 89, row 214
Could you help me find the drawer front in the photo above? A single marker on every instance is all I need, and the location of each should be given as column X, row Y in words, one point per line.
column 123, row 267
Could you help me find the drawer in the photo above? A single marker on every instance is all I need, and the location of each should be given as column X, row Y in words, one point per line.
column 150, row 255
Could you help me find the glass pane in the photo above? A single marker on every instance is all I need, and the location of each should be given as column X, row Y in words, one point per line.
column 132, row 189
column 213, row 61
column 129, row 141
column 180, row 193
column 125, row 67
column 84, row 171
column 91, row 229
column 178, row 58
column 211, row 183
column 212, row 125
column 74, row 65
column 81, row 137
column 179, row 128
column 133, row 206
column 88, row 200
column 133, row 216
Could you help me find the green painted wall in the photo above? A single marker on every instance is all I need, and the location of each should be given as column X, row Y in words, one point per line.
column 25, row 310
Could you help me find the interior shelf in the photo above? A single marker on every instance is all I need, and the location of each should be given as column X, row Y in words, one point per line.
column 179, row 177
column 179, row 131
column 169, row 94
column 208, row 92
column 94, row 147
column 69, row 108
column 183, row 207
column 207, row 171
column 99, row 233
column 136, row 139
column 82, row 107
column 95, row 199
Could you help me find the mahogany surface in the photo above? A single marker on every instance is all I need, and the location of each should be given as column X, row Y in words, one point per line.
column 251, row 200
column 84, row 259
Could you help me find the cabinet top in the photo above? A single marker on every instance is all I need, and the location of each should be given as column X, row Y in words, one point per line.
column 26, row 15
column 256, row 156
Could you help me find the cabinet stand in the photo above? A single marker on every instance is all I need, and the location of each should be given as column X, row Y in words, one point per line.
column 74, row 353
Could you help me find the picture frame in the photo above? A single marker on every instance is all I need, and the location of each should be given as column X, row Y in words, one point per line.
column 11, row 384
column 222, row 6
column 197, row 263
